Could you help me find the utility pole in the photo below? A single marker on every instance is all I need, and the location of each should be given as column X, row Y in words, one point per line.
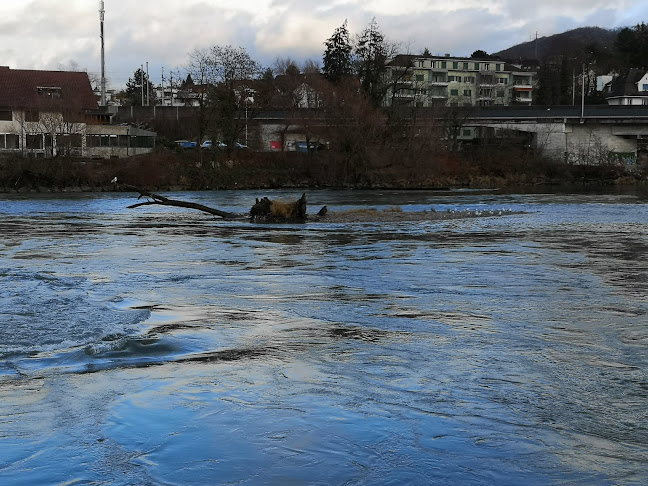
column 171, row 84
column 147, row 85
column 102, row 102
column 142, row 83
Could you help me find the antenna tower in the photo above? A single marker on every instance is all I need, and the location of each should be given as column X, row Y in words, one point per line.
column 103, row 62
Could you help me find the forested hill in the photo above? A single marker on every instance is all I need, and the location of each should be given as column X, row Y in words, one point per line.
column 573, row 41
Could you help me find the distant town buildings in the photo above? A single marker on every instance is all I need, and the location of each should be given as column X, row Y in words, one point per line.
column 424, row 81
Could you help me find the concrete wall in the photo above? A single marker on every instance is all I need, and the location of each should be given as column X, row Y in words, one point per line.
column 587, row 142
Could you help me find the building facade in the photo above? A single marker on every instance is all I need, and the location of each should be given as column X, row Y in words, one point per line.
column 424, row 81
column 52, row 113
column 630, row 89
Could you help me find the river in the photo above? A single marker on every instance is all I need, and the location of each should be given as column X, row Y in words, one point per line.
column 161, row 346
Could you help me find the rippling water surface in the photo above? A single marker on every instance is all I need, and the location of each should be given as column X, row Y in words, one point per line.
column 161, row 346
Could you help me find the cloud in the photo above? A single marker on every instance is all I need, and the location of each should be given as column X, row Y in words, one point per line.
column 43, row 34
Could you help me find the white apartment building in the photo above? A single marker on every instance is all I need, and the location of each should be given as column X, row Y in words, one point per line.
column 424, row 81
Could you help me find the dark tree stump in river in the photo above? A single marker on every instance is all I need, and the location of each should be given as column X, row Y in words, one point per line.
column 268, row 211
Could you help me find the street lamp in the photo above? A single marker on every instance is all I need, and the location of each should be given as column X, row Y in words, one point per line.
column 583, row 93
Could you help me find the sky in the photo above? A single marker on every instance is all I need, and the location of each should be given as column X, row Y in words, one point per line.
column 59, row 34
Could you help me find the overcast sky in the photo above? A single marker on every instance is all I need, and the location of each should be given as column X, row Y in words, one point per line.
column 48, row 34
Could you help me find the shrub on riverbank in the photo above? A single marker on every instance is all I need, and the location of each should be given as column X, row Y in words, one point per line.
column 193, row 170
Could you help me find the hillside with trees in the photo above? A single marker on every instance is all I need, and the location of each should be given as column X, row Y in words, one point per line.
column 565, row 44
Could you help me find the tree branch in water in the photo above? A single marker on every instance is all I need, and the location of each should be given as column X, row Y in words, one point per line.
column 156, row 199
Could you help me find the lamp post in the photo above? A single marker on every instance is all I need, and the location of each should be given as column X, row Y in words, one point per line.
column 583, row 93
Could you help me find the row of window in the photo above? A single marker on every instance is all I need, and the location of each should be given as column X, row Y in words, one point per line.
column 442, row 78
column 11, row 141
column 477, row 66
column 488, row 93
column 483, row 93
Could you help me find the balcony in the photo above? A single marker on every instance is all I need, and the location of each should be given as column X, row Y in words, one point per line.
column 488, row 81
column 438, row 82
column 405, row 96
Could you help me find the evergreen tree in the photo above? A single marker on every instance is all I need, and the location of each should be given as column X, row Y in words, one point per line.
column 134, row 89
column 371, row 53
column 337, row 56
column 632, row 44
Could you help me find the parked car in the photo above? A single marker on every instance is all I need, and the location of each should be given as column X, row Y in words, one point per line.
column 186, row 144
column 208, row 144
column 241, row 146
column 302, row 146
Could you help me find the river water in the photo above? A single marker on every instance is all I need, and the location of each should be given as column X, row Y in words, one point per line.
column 162, row 346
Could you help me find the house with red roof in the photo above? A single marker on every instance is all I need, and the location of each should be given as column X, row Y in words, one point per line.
column 50, row 113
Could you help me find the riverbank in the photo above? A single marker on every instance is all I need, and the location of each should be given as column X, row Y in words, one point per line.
column 194, row 170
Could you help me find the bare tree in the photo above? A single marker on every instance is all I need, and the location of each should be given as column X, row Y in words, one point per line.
column 285, row 65
column 311, row 66
column 54, row 126
column 225, row 77
column 201, row 70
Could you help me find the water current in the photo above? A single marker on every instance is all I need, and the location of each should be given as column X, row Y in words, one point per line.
column 161, row 346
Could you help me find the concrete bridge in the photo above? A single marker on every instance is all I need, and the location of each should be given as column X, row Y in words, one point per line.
column 580, row 134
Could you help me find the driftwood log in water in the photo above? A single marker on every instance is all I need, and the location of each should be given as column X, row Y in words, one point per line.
column 165, row 201
column 263, row 211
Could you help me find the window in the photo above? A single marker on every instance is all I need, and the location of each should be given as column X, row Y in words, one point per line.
column 477, row 66
column 34, row 141
column 444, row 65
column 6, row 115
column 454, row 92
column 13, row 141
column 502, row 80
column 500, row 93
column 50, row 92
column 486, row 66
column 420, row 77
column 455, row 65
column 454, row 79
column 469, row 79
column 467, row 92
column 498, row 67
column 645, row 87
column 466, row 132
column 465, row 65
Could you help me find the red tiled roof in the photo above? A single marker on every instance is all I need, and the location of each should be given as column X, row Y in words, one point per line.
column 19, row 89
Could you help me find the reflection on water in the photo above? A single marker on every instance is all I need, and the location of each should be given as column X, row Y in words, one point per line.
column 160, row 346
